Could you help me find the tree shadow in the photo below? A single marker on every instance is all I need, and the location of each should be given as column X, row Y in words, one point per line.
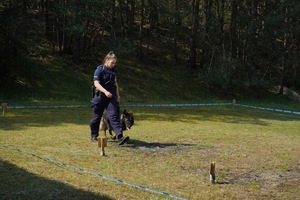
column 17, row 183
column 19, row 119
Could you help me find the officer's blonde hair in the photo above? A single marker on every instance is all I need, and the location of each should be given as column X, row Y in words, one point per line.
column 110, row 56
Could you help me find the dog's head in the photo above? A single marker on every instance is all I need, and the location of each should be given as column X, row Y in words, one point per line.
column 127, row 120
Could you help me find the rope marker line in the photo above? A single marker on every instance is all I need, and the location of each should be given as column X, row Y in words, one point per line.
column 123, row 105
column 164, row 105
column 46, row 107
column 93, row 173
column 270, row 109
column 177, row 105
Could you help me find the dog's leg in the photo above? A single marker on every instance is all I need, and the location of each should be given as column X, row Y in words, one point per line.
column 104, row 132
column 110, row 131
column 113, row 137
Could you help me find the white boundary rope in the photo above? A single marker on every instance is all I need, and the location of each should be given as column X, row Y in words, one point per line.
column 164, row 105
column 93, row 173
column 270, row 109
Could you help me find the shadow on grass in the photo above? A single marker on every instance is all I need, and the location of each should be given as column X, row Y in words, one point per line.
column 150, row 145
column 18, row 119
column 16, row 183
column 24, row 118
column 138, row 144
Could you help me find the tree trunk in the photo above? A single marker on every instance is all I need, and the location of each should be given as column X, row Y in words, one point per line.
column 153, row 14
column 45, row 17
column 222, row 34
column 285, row 51
column 176, row 25
column 208, row 5
column 193, row 38
column 113, row 12
column 77, row 35
column 140, row 47
column 77, row 48
column 233, row 29
column 130, row 15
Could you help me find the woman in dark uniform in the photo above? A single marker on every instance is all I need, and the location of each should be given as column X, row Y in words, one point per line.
column 107, row 97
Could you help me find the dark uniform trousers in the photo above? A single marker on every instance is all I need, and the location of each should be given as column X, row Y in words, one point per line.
column 99, row 103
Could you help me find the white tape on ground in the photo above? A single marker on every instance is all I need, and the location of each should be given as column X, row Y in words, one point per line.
column 163, row 105
column 93, row 173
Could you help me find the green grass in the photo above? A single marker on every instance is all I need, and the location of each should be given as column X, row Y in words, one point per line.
column 51, row 80
column 170, row 150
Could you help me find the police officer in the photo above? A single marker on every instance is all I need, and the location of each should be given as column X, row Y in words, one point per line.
column 107, row 97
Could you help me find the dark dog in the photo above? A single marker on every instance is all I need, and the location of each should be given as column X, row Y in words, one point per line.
column 126, row 118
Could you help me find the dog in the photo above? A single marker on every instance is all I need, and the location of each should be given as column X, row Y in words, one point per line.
column 126, row 118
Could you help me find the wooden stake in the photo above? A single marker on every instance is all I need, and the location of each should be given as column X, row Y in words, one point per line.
column 212, row 176
column 4, row 106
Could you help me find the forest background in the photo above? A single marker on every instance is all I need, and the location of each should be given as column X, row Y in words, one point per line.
column 230, row 47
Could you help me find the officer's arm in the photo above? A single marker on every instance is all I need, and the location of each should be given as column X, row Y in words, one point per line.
column 100, row 88
column 117, row 90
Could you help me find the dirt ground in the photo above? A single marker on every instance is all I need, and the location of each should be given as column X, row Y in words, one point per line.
column 266, row 182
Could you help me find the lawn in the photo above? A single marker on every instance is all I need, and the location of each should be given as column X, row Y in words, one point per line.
column 256, row 154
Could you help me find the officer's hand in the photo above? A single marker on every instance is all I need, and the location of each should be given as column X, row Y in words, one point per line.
column 108, row 94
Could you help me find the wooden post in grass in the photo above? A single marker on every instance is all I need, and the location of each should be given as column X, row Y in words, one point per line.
column 233, row 102
column 212, row 175
column 4, row 106
column 102, row 142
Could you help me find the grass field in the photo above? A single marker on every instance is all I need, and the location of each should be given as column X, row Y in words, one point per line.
column 256, row 152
